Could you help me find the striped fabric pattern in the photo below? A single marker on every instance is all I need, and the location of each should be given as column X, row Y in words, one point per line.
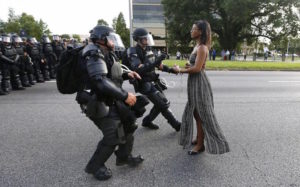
column 200, row 98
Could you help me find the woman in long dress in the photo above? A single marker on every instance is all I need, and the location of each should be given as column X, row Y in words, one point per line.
column 200, row 99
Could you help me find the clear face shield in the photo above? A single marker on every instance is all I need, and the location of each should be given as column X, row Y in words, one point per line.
column 47, row 40
column 18, row 39
column 117, row 41
column 33, row 40
column 6, row 39
column 56, row 38
column 149, row 38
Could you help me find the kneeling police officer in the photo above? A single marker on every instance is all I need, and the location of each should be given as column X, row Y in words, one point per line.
column 103, row 76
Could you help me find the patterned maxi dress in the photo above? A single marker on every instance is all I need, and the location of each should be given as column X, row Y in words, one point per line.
column 200, row 97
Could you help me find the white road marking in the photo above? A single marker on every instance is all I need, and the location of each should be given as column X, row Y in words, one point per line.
column 284, row 81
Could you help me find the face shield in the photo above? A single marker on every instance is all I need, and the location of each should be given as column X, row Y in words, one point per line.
column 17, row 39
column 6, row 39
column 150, row 40
column 47, row 40
column 117, row 41
column 56, row 37
column 33, row 40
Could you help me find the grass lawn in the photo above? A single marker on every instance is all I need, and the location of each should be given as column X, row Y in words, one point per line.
column 242, row 65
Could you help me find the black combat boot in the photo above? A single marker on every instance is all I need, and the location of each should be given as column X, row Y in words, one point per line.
column 31, row 79
column 98, row 159
column 103, row 173
column 24, row 81
column 6, row 85
column 46, row 75
column 147, row 121
column 124, row 156
column 130, row 160
column 16, row 84
column 2, row 92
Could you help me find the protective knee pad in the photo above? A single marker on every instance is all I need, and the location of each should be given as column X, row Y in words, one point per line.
column 159, row 100
column 113, row 132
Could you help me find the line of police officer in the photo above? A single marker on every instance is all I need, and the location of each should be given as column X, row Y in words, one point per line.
column 24, row 61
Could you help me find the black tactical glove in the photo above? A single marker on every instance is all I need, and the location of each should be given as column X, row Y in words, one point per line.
column 160, row 58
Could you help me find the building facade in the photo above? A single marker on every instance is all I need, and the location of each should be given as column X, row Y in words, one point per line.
column 149, row 14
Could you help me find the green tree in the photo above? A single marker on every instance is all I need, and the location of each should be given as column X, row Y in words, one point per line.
column 13, row 25
column 25, row 22
column 77, row 37
column 119, row 25
column 65, row 36
column 2, row 26
column 102, row 22
column 232, row 20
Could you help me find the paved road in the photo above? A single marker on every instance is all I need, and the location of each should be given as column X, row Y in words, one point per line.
column 46, row 141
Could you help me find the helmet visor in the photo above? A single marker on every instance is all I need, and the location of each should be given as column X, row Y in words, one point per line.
column 33, row 40
column 47, row 40
column 6, row 39
column 56, row 37
column 116, row 39
column 17, row 39
column 150, row 40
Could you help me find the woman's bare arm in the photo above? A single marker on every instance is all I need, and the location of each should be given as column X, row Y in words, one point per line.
column 200, row 60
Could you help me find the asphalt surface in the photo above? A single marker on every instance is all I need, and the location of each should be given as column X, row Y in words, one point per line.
column 46, row 141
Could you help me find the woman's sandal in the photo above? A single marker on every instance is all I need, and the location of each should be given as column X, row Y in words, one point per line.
column 191, row 152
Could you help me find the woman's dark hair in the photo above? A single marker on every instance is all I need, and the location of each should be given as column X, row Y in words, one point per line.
column 205, row 38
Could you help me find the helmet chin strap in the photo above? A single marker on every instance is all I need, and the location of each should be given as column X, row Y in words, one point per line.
column 104, row 45
column 141, row 44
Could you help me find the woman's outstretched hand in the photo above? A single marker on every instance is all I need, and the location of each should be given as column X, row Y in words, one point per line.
column 176, row 68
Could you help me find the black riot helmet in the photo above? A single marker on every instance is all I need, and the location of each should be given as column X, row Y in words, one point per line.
column 56, row 38
column 32, row 40
column 45, row 39
column 16, row 40
column 6, row 39
column 106, row 34
column 141, row 33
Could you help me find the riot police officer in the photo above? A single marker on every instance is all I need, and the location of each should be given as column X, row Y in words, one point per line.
column 10, row 69
column 34, row 51
column 24, row 63
column 57, row 45
column 49, row 58
column 104, row 77
column 142, row 60
column 1, row 91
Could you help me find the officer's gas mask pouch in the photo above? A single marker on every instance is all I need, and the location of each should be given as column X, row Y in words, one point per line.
column 116, row 39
